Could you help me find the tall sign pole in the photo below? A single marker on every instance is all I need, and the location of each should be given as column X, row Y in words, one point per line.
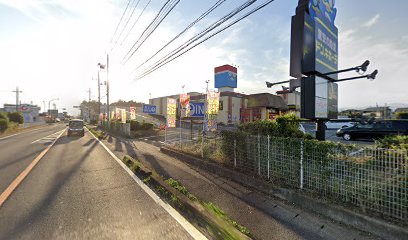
column 314, row 53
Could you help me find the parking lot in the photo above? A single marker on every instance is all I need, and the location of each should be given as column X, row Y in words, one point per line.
column 331, row 135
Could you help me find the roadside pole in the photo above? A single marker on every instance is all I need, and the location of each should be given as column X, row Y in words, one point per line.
column 205, row 120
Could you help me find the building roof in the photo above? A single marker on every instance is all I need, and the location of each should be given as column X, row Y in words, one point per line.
column 266, row 100
column 401, row 110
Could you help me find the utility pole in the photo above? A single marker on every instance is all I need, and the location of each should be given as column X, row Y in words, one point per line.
column 107, row 86
column 89, row 104
column 205, row 120
column 44, row 106
column 17, row 91
column 99, row 96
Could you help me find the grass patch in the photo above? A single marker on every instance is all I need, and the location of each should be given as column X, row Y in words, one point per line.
column 98, row 133
column 134, row 165
column 217, row 211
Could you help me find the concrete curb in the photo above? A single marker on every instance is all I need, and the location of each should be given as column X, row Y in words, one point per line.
column 193, row 210
column 362, row 222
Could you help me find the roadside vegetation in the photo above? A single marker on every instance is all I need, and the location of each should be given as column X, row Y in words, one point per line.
column 216, row 231
column 98, row 133
column 9, row 122
column 341, row 173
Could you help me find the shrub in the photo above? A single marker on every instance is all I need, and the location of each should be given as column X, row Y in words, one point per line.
column 393, row 142
column 16, row 117
column 3, row 116
column 135, row 125
column 402, row 115
column 283, row 126
column 3, row 124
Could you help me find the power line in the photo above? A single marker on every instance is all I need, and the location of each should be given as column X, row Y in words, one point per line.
column 127, row 22
column 137, row 20
column 207, row 38
column 120, row 21
column 151, row 28
column 206, row 13
column 202, row 33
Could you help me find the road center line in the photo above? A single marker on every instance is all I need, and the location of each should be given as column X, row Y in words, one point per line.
column 170, row 210
column 19, row 179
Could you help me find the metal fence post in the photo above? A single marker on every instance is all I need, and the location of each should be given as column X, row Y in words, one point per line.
column 235, row 153
column 259, row 155
column 268, row 157
column 301, row 164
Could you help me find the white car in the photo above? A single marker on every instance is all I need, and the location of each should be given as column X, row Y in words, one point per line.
column 333, row 124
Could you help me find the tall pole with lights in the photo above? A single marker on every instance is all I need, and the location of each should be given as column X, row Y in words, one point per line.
column 102, row 66
column 17, row 91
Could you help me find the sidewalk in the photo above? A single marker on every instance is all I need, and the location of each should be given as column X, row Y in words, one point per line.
column 265, row 217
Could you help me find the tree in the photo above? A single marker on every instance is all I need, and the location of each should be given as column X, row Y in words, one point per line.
column 402, row 115
column 16, row 117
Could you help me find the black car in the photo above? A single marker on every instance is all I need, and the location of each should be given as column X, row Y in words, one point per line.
column 76, row 127
column 374, row 130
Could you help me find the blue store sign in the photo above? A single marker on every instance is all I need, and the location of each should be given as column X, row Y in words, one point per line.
column 197, row 109
column 150, row 109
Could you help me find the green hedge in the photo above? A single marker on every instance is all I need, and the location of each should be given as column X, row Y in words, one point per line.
column 3, row 124
column 3, row 116
column 16, row 117
column 135, row 125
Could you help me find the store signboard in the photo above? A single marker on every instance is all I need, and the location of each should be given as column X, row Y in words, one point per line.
column 197, row 109
column 149, row 109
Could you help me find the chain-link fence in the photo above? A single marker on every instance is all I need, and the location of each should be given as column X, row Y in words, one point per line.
column 373, row 179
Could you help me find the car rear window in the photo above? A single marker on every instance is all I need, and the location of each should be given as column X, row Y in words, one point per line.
column 76, row 124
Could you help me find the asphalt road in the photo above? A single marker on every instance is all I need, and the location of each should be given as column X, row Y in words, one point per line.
column 77, row 191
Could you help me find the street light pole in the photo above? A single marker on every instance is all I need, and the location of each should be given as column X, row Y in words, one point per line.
column 205, row 120
column 17, row 91
column 99, row 96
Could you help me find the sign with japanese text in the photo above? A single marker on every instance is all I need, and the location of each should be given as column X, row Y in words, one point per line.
column 132, row 113
column 213, row 105
column 123, row 115
column 213, row 102
column 185, row 105
column 171, row 112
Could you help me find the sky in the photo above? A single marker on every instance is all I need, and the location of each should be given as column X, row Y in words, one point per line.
column 51, row 48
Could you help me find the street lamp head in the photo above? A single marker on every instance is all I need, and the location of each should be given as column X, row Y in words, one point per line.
column 364, row 66
column 269, row 84
column 101, row 66
column 373, row 75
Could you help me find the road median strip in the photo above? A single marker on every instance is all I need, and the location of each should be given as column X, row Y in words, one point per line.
column 204, row 215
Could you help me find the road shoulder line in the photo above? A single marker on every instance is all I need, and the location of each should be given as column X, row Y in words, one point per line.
column 170, row 210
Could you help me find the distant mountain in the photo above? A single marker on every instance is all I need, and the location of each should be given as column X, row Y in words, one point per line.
column 393, row 106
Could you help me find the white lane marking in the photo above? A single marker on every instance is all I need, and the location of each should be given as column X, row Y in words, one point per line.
column 9, row 136
column 176, row 215
column 50, row 137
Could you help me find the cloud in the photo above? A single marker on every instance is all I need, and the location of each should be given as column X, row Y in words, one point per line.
column 371, row 21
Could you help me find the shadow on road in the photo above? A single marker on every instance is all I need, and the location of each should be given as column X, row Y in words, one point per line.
column 65, row 173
